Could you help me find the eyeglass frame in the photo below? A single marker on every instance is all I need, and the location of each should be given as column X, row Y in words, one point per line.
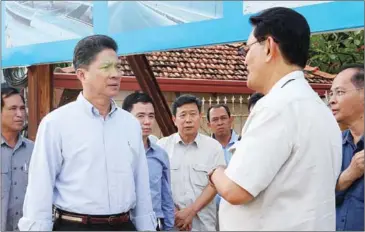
column 245, row 49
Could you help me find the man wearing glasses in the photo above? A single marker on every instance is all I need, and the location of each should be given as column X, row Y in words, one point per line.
column 347, row 104
column 284, row 170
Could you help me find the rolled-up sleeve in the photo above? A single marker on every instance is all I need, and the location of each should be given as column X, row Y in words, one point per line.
column 219, row 158
column 142, row 215
column 44, row 166
column 262, row 151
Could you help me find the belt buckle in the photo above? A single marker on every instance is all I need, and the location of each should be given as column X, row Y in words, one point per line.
column 110, row 220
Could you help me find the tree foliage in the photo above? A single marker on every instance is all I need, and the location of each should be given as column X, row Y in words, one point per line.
column 332, row 50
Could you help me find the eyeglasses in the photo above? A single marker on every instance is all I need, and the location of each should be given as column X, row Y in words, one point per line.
column 244, row 49
column 339, row 93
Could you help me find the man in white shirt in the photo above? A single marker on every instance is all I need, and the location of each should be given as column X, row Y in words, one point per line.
column 192, row 156
column 89, row 161
column 284, row 171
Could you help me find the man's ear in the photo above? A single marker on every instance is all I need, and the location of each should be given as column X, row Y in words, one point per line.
column 174, row 120
column 231, row 120
column 80, row 73
column 208, row 124
column 271, row 48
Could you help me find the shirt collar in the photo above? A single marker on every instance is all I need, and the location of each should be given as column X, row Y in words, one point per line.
column 151, row 146
column 19, row 143
column 196, row 141
column 348, row 138
column 233, row 139
column 293, row 75
column 91, row 108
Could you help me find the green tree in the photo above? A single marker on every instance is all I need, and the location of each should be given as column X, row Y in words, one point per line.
column 330, row 51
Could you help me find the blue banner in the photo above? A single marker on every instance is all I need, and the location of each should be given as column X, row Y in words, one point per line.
column 36, row 32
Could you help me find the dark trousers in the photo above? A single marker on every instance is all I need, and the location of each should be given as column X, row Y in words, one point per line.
column 64, row 225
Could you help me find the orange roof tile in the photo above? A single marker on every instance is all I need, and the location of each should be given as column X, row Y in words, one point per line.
column 221, row 62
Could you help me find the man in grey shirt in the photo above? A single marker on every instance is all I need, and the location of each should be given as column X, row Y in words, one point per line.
column 192, row 156
column 15, row 155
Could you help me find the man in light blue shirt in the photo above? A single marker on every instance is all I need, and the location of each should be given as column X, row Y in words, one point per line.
column 88, row 160
column 142, row 107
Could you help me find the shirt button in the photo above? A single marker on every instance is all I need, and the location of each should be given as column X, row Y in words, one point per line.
column 14, row 168
column 15, row 183
column 16, row 198
column 16, row 213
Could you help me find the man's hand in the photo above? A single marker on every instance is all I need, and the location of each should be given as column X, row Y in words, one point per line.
column 353, row 172
column 184, row 218
column 356, row 167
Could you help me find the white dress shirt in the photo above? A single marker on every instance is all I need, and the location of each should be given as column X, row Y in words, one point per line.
column 84, row 164
column 289, row 159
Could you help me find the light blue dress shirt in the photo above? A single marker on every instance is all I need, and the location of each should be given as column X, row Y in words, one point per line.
column 160, row 184
column 85, row 164
column 227, row 157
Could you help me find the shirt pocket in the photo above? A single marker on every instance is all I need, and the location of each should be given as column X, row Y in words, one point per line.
column 199, row 175
column 5, row 180
column 176, row 180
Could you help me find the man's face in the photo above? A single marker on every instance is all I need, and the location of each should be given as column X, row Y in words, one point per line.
column 13, row 113
column 255, row 61
column 346, row 101
column 145, row 113
column 102, row 76
column 187, row 119
column 220, row 123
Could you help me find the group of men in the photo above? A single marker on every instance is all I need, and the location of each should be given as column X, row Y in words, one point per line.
column 95, row 167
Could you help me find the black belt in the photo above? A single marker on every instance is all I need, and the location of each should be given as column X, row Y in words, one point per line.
column 115, row 219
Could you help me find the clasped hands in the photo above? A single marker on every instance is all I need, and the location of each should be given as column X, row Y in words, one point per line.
column 184, row 218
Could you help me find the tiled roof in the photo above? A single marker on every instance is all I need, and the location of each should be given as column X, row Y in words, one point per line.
column 221, row 62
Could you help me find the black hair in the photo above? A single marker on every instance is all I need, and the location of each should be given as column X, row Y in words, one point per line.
column 358, row 78
column 254, row 98
column 288, row 28
column 186, row 99
column 7, row 92
column 89, row 47
column 135, row 98
column 216, row 107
